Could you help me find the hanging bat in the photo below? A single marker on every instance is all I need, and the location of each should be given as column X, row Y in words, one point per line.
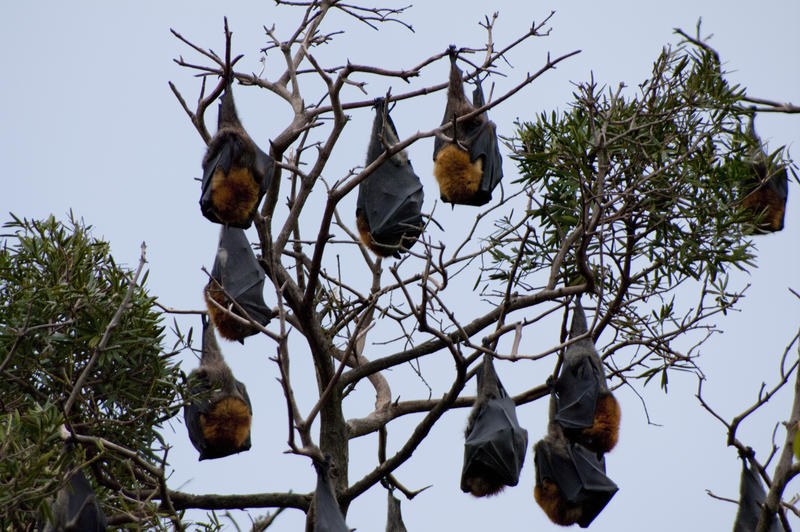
column 389, row 204
column 76, row 508
column 767, row 193
column 751, row 498
column 495, row 444
column 236, row 272
column 219, row 421
column 469, row 166
column 394, row 520
column 236, row 173
column 584, row 407
column 328, row 516
column 571, row 482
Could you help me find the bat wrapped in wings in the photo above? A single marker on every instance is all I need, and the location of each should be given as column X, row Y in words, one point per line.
column 219, row 419
column 76, row 508
column 571, row 482
column 389, row 204
column 751, row 498
column 328, row 516
column 765, row 195
column 236, row 273
column 583, row 405
column 495, row 444
column 467, row 167
column 394, row 519
column 236, row 173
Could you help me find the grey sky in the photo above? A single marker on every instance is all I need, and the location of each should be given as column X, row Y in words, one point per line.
column 89, row 124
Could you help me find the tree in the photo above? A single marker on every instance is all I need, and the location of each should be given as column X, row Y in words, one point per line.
column 611, row 188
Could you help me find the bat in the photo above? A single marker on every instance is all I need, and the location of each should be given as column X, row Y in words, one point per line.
column 584, row 407
column 76, row 508
column 236, row 272
column 766, row 194
column 394, row 520
column 389, row 204
column 236, row 173
column 571, row 482
column 328, row 517
column 751, row 498
column 468, row 167
column 219, row 421
column 495, row 444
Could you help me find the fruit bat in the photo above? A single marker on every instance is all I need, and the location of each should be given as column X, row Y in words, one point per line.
column 394, row 521
column 389, row 204
column 571, row 482
column 76, row 508
column 219, row 421
column 236, row 173
column 469, row 166
column 584, row 407
column 495, row 444
column 328, row 516
column 237, row 272
column 751, row 497
column 769, row 187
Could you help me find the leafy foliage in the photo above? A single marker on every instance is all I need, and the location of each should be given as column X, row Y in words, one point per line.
column 59, row 288
column 635, row 195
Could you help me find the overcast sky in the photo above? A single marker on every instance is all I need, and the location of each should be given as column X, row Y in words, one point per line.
column 89, row 124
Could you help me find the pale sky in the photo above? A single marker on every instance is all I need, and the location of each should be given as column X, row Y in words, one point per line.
column 89, row 124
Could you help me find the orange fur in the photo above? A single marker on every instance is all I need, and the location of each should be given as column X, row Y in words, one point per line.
column 227, row 327
column 602, row 436
column 763, row 201
column 227, row 425
column 235, row 195
column 458, row 177
column 551, row 500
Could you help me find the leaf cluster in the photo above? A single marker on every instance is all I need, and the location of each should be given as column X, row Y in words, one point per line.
column 59, row 288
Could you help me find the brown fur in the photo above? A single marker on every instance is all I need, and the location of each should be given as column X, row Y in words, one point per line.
column 763, row 201
column 227, row 326
column 602, row 436
column 484, row 485
column 458, row 177
column 551, row 500
column 227, row 425
column 235, row 195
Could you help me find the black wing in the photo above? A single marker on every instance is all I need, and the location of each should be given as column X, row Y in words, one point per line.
column 191, row 416
column 494, row 449
column 238, row 271
column 576, row 392
column 579, row 474
column 751, row 497
column 391, row 197
column 496, row 444
column 394, row 520
column 328, row 517
column 483, row 144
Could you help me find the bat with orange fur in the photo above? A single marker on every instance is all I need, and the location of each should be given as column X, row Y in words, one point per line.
column 495, row 444
column 765, row 196
column 468, row 166
column 571, row 482
column 219, row 419
column 389, row 204
column 236, row 173
column 584, row 407
column 236, row 275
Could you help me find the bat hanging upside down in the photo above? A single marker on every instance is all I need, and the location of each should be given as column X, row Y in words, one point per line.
column 219, row 423
column 468, row 167
column 584, row 407
column 236, row 173
column 389, row 204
